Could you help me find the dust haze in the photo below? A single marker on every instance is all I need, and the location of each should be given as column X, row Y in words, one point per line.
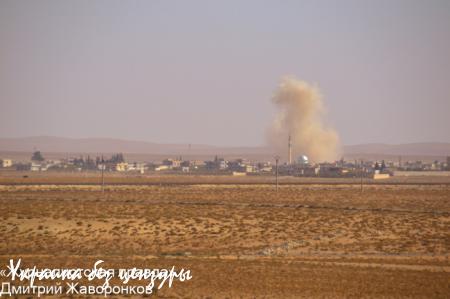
column 301, row 114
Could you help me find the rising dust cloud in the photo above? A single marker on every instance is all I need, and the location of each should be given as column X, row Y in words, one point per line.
column 301, row 114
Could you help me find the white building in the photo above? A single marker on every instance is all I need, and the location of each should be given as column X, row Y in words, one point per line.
column 123, row 166
column 162, row 167
column 7, row 163
column 38, row 167
column 223, row 164
column 136, row 167
column 249, row 168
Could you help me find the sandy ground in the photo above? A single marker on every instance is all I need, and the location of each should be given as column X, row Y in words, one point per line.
column 11, row 177
column 242, row 241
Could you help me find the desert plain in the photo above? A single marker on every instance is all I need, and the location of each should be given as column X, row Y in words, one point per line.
column 240, row 238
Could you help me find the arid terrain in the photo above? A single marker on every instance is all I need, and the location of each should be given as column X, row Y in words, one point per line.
column 323, row 239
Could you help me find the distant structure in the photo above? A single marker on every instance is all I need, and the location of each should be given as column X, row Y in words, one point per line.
column 289, row 150
column 6, row 163
column 122, row 166
column 303, row 160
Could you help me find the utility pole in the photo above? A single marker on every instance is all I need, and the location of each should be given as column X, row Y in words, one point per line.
column 277, row 158
column 362, row 167
column 289, row 150
column 103, row 175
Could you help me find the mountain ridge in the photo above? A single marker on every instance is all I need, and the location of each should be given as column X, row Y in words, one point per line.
column 110, row 145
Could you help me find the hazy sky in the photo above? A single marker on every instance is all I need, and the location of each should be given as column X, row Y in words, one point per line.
column 205, row 71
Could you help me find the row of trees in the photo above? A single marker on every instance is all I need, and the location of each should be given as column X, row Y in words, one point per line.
column 37, row 157
column 84, row 163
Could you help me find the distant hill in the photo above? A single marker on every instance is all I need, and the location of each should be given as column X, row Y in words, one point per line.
column 408, row 149
column 79, row 145
column 109, row 145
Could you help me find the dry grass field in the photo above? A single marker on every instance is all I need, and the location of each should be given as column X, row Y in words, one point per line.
column 313, row 240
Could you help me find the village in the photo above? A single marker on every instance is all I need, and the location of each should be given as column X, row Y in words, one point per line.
column 300, row 167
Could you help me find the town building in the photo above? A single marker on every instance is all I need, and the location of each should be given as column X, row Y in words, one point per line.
column 123, row 166
column 6, row 163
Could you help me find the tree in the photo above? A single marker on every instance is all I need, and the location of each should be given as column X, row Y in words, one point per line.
column 118, row 158
column 90, row 163
column 37, row 156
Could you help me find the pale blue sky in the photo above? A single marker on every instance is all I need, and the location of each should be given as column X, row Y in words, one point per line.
column 204, row 71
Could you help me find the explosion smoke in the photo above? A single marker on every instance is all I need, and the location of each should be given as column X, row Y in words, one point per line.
column 300, row 115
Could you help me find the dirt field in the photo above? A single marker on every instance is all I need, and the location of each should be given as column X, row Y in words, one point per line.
column 242, row 240
column 11, row 177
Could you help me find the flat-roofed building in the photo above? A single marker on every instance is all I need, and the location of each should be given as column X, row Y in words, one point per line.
column 7, row 163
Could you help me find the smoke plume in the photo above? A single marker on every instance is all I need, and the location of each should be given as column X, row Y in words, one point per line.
column 300, row 115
